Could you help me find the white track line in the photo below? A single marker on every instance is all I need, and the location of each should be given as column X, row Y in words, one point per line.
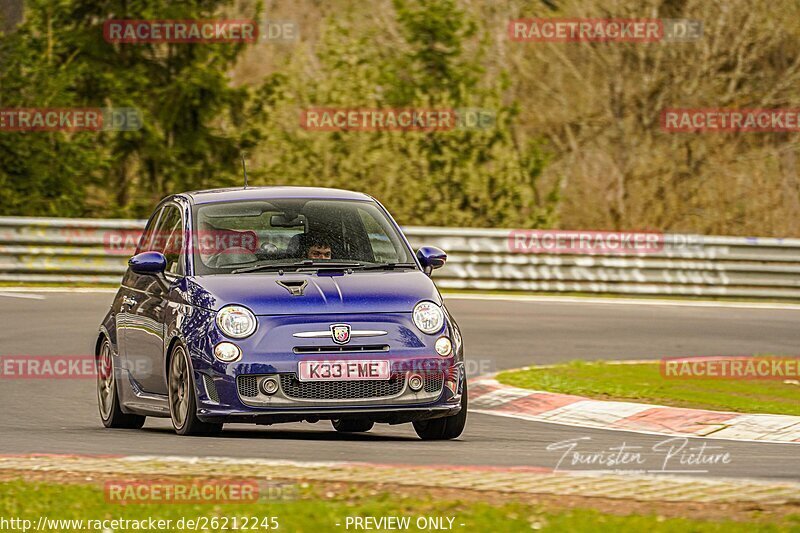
column 26, row 296
column 24, row 290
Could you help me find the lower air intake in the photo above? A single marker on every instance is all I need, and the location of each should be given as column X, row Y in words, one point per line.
column 341, row 390
column 211, row 389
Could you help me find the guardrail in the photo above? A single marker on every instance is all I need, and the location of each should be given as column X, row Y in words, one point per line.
column 75, row 251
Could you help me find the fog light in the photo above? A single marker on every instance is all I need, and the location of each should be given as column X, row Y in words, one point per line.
column 227, row 352
column 269, row 385
column 443, row 346
column 415, row 382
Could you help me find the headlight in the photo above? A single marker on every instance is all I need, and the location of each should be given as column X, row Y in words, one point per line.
column 428, row 317
column 236, row 321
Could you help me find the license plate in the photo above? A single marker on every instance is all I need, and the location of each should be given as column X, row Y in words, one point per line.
column 343, row 370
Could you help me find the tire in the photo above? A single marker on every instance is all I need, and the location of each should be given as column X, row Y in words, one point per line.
column 445, row 428
column 108, row 396
column 182, row 397
column 352, row 425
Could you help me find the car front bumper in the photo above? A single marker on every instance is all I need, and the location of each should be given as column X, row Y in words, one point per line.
column 232, row 392
column 238, row 396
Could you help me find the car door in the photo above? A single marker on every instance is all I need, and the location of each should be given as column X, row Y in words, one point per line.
column 129, row 294
column 145, row 337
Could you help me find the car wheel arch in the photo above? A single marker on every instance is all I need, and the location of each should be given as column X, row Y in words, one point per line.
column 102, row 337
column 174, row 341
column 99, row 344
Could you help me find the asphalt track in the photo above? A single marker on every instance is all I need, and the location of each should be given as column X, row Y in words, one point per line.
column 60, row 416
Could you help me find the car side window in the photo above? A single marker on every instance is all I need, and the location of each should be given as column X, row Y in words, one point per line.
column 147, row 236
column 168, row 239
column 383, row 249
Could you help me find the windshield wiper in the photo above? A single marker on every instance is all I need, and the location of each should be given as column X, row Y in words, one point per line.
column 332, row 265
column 274, row 266
column 388, row 266
column 305, row 264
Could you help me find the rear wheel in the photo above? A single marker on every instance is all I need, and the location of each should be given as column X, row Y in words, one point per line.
column 445, row 428
column 352, row 425
column 107, row 396
column 182, row 399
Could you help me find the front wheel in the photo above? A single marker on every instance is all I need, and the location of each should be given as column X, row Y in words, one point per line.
column 445, row 428
column 182, row 399
column 107, row 397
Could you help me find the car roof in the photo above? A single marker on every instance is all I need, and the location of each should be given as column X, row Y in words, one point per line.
column 209, row 196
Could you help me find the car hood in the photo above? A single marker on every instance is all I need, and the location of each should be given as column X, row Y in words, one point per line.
column 359, row 292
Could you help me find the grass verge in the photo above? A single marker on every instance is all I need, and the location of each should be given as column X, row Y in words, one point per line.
column 313, row 509
column 644, row 383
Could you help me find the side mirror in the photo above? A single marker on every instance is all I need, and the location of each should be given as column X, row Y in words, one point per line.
column 431, row 258
column 148, row 263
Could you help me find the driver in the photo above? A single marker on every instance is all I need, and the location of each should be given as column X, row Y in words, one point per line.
column 317, row 247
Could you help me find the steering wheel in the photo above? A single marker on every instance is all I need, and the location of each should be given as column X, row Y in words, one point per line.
column 232, row 256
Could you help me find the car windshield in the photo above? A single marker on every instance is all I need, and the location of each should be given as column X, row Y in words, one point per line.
column 293, row 234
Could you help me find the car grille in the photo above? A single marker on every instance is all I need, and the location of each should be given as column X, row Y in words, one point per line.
column 292, row 388
column 341, row 390
column 248, row 386
column 342, row 349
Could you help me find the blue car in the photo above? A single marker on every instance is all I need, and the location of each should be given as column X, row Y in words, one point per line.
column 280, row 304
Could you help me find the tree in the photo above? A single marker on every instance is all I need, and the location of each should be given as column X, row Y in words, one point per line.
column 429, row 55
column 194, row 119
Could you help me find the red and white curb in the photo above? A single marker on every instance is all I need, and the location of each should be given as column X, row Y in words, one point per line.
column 489, row 396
